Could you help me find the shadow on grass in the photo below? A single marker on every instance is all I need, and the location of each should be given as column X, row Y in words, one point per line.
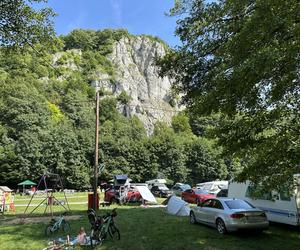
column 153, row 228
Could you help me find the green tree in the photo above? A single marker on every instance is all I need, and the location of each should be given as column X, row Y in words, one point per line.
column 124, row 98
column 80, row 39
column 108, row 110
column 123, row 147
column 7, row 154
column 204, row 162
column 169, row 152
column 180, row 124
column 20, row 23
column 240, row 58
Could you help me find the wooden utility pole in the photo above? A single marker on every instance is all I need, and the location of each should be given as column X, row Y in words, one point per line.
column 96, row 152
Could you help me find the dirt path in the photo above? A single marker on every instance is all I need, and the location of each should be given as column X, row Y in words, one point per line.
column 18, row 221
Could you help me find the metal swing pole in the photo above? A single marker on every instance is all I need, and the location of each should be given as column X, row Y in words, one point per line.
column 64, row 194
column 32, row 197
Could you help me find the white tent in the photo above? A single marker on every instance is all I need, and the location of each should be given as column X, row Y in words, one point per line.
column 146, row 194
column 178, row 207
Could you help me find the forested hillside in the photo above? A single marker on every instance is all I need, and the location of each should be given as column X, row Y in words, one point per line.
column 47, row 119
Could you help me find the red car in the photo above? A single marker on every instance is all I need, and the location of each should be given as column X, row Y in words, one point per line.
column 196, row 196
column 112, row 195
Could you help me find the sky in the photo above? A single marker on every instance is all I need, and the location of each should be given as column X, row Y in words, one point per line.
column 137, row 16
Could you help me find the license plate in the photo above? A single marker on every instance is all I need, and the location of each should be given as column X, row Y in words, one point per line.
column 254, row 219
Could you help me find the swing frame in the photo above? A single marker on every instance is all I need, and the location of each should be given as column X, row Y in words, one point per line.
column 49, row 197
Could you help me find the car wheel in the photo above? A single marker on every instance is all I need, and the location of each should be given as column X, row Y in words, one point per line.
column 221, row 226
column 197, row 201
column 192, row 218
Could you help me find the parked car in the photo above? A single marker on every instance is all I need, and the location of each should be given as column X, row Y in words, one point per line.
column 229, row 215
column 178, row 188
column 213, row 187
column 196, row 196
column 161, row 190
column 113, row 196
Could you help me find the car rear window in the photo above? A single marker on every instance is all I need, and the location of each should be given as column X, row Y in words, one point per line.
column 238, row 204
column 185, row 187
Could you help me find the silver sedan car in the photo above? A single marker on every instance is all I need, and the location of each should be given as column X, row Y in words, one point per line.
column 229, row 215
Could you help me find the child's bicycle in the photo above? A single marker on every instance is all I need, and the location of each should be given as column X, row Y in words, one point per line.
column 101, row 226
column 56, row 224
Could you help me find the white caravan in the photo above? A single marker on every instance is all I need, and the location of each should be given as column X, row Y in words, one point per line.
column 213, row 187
column 280, row 206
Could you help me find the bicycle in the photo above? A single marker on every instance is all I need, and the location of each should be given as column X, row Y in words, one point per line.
column 56, row 224
column 101, row 226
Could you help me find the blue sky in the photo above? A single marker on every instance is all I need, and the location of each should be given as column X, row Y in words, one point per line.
column 137, row 16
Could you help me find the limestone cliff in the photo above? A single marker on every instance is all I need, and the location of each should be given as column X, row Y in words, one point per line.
column 137, row 75
column 130, row 69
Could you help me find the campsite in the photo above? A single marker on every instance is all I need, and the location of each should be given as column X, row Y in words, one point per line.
column 145, row 228
column 149, row 124
column 155, row 223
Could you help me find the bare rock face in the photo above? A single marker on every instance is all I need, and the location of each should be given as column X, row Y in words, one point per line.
column 137, row 75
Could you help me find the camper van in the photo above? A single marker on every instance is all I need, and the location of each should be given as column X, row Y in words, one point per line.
column 280, row 206
column 213, row 187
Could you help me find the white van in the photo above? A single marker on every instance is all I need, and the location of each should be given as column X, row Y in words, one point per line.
column 213, row 187
column 152, row 183
column 280, row 206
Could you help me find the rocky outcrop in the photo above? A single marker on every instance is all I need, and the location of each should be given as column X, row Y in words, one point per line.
column 137, row 75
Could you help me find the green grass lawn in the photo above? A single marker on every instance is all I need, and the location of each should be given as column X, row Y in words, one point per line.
column 153, row 228
column 78, row 197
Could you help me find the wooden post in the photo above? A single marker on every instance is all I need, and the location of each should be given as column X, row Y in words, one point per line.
column 96, row 152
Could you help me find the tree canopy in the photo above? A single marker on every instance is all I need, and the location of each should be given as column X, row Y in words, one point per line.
column 47, row 121
column 20, row 23
column 241, row 58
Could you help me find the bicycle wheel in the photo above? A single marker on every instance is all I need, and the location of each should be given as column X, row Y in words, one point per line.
column 92, row 238
column 48, row 230
column 95, row 238
column 114, row 232
column 102, row 235
column 66, row 227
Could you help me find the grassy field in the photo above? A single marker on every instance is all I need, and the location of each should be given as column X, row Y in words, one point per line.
column 78, row 197
column 152, row 228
